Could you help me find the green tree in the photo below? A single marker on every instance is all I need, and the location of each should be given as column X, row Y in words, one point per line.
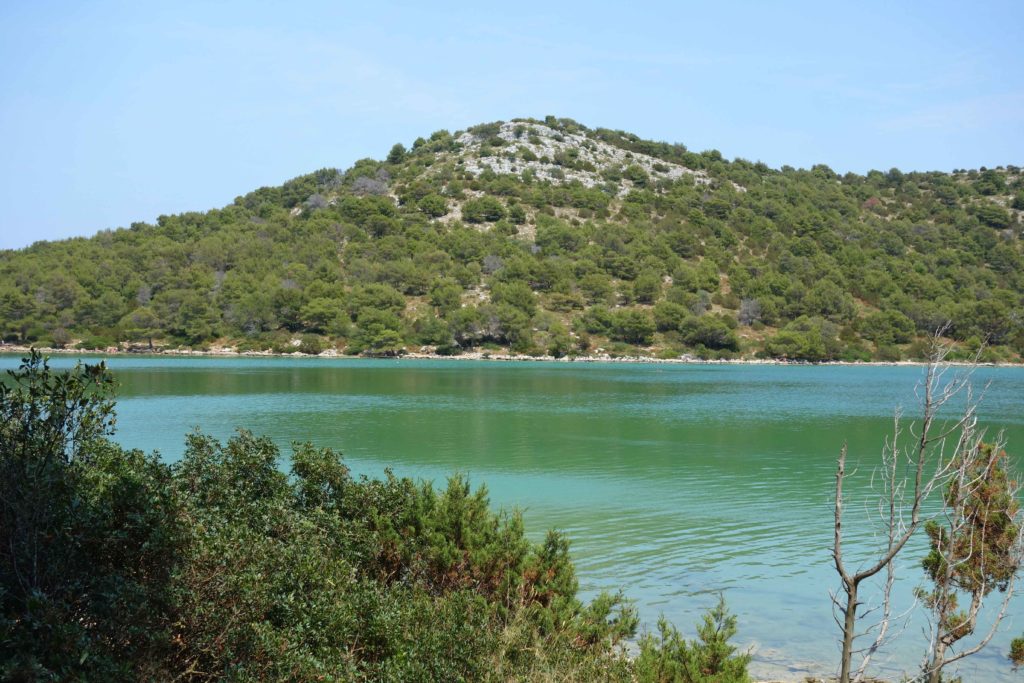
column 709, row 331
column 16, row 313
column 141, row 323
column 397, row 154
column 647, row 287
column 887, row 327
column 559, row 342
column 197, row 320
column 669, row 315
column 445, row 295
column 597, row 288
column 636, row 174
column 517, row 214
column 375, row 297
column 324, row 315
column 596, row 320
column 989, row 319
column 990, row 182
column 805, row 338
column 377, row 333
column 992, row 215
column 828, row 300
column 513, row 327
column 633, row 325
column 975, row 550
column 517, row 294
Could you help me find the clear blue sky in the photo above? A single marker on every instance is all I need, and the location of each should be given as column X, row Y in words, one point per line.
column 116, row 112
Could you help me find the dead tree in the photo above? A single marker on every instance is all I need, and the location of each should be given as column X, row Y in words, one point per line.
column 913, row 466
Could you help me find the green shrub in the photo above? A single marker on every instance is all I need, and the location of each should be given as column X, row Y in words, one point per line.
column 486, row 209
column 668, row 657
column 434, row 205
column 89, row 532
column 92, row 343
column 889, row 353
column 809, row 339
column 1016, row 654
column 312, row 344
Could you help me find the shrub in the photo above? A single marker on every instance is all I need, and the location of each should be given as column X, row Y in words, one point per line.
column 486, row 209
column 809, row 339
column 434, row 205
column 668, row 656
column 311, row 344
column 1017, row 652
column 88, row 534
column 90, row 343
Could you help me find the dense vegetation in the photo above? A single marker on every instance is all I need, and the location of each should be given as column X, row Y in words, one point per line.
column 117, row 567
column 551, row 238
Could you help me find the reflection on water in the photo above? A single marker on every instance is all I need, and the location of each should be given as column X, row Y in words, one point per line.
column 674, row 482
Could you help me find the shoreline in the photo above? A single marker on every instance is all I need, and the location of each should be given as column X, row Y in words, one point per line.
column 230, row 352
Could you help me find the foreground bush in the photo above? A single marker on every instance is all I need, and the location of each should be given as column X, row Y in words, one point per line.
column 115, row 566
column 667, row 656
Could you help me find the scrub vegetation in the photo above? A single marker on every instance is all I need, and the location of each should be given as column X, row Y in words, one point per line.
column 115, row 566
column 549, row 238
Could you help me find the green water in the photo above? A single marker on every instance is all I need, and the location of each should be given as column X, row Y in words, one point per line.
column 674, row 482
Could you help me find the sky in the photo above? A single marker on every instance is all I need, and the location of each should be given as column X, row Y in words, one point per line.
column 113, row 112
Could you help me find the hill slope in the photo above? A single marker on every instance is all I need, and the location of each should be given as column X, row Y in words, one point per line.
column 551, row 238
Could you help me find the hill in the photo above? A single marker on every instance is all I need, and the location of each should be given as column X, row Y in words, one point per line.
column 551, row 238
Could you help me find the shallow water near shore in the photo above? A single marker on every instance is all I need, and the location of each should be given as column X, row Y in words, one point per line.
column 674, row 482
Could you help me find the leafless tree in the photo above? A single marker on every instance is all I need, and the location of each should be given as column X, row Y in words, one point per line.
column 365, row 185
column 750, row 311
column 913, row 465
column 492, row 264
column 315, row 201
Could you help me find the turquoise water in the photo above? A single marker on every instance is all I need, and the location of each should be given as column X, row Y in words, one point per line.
column 674, row 482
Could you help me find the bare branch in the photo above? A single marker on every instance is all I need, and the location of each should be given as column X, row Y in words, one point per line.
column 915, row 462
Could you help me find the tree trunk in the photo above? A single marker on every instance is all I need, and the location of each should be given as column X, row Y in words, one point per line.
column 849, row 624
column 935, row 666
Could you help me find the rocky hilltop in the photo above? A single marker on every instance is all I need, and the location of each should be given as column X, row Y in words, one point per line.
column 562, row 158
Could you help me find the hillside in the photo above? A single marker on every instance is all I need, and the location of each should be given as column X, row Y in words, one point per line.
column 550, row 238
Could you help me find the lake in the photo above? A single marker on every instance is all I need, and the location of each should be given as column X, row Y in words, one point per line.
column 674, row 482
